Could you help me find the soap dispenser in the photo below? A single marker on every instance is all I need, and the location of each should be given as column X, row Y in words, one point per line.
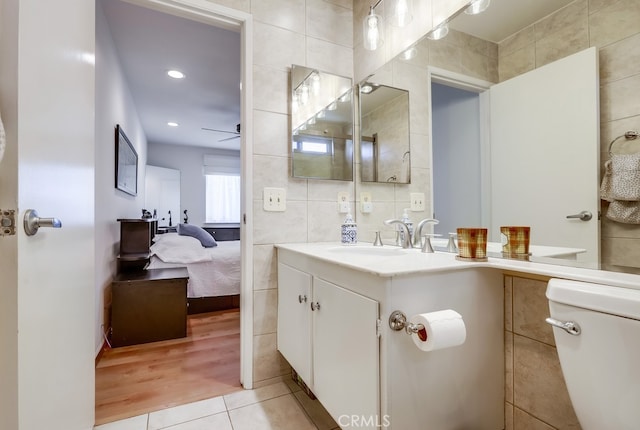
column 409, row 224
column 349, row 231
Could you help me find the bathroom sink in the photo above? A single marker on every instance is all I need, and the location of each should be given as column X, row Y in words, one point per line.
column 368, row 251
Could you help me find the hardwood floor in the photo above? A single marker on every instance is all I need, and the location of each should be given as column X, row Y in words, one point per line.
column 137, row 379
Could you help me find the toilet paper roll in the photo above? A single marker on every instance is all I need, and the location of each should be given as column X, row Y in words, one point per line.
column 442, row 329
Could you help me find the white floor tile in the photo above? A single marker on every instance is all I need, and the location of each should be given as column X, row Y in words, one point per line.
column 183, row 413
column 134, row 423
column 316, row 411
column 248, row 397
column 213, row 422
column 280, row 413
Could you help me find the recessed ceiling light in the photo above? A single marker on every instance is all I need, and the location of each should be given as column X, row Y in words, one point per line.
column 175, row 74
column 172, row 124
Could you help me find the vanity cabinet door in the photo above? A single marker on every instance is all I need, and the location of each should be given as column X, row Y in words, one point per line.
column 294, row 320
column 346, row 354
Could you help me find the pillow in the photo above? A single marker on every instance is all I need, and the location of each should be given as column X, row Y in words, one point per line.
column 174, row 239
column 199, row 233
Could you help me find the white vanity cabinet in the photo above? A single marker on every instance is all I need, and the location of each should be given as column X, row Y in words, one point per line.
column 329, row 336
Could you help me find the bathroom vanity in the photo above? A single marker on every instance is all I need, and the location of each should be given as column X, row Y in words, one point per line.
column 334, row 304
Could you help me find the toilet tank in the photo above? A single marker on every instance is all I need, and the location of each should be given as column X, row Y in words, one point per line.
column 601, row 365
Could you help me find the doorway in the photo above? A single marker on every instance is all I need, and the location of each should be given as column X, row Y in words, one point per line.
column 459, row 150
column 239, row 22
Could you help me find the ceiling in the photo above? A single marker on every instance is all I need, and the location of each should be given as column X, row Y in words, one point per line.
column 148, row 44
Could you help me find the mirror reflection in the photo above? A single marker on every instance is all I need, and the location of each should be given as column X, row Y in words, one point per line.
column 384, row 134
column 321, row 124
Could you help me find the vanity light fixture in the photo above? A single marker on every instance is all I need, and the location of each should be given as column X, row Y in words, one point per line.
column 172, row 124
column 373, row 29
column 332, row 106
column 175, row 74
column 439, row 32
column 321, row 114
column 346, row 97
column 410, row 53
column 477, row 6
column 368, row 87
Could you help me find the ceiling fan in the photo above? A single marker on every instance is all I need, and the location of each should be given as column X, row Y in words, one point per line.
column 237, row 132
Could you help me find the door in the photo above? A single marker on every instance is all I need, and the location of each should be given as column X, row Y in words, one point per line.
column 47, row 285
column 162, row 194
column 294, row 320
column 545, row 153
column 346, row 351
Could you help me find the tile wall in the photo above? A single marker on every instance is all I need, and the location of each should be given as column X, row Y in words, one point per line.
column 613, row 26
column 536, row 396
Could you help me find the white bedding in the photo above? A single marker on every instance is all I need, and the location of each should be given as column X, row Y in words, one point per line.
column 212, row 271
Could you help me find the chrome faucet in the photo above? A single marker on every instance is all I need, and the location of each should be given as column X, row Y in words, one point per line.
column 417, row 234
column 406, row 242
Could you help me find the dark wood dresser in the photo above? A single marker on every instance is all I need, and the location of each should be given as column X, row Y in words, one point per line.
column 148, row 306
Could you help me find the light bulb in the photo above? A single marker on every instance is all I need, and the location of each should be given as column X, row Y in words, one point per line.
column 373, row 29
column 477, row 6
column 439, row 32
column 402, row 13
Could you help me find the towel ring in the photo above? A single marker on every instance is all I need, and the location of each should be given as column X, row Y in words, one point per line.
column 629, row 135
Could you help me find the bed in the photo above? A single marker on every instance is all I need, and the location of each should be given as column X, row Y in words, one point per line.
column 214, row 273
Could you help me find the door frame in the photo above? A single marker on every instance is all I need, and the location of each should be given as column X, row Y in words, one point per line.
column 468, row 83
column 242, row 22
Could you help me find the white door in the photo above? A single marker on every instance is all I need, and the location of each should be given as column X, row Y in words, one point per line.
column 47, row 284
column 346, row 351
column 294, row 320
column 545, row 153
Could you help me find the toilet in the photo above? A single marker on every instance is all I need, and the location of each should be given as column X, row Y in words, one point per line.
column 597, row 333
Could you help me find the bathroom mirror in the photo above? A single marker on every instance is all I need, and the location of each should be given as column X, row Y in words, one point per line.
column 321, row 125
column 384, row 134
column 450, row 51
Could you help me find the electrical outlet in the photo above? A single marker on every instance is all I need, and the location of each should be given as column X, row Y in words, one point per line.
column 366, row 205
column 275, row 199
column 343, row 202
column 417, row 202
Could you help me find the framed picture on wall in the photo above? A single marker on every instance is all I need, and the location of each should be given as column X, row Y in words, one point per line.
column 126, row 164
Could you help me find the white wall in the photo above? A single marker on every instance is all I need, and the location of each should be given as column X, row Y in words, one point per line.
column 187, row 159
column 114, row 105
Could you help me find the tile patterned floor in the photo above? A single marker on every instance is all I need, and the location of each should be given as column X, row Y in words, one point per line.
column 280, row 406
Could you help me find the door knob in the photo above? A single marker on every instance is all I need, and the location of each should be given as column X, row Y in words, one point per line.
column 32, row 222
column 582, row 216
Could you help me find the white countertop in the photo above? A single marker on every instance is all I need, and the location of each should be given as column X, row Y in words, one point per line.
column 389, row 261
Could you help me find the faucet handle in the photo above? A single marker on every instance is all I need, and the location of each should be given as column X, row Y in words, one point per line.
column 378, row 241
column 451, row 246
column 426, row 242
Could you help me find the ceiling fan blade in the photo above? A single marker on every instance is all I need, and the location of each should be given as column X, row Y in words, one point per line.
column 229, row 138
column 219, row 131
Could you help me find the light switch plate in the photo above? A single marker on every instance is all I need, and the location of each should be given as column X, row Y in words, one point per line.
column 417, row 202
column 275, row 199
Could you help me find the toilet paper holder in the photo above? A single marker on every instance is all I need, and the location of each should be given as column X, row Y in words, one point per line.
column 398, row 321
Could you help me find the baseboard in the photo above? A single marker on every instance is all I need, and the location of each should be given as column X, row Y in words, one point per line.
column 100, row 353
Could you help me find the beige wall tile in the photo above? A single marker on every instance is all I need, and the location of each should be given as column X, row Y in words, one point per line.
column 265, row 267
column 517, row 63
column 597, row 5
column 280, row 227
column 508, row 366
column 614, row 22
column 242, row 5
column 569, row 40
column 287, row 14
column 567, row 17
column 271, row 133
column 620, row 59
column 619, row 99
column 271, row 171
column 270, row 89
column 530, row 308
column 523, row 38
column 265, row 311
column 508, row 416
column 330, row 22
column 479, row 66
column 329, row 57
column 267, row 361
column 268, row 41
column 420, row 150
column 508, row 303
column 325, row 221
column 539, row 387
column 524, row 421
